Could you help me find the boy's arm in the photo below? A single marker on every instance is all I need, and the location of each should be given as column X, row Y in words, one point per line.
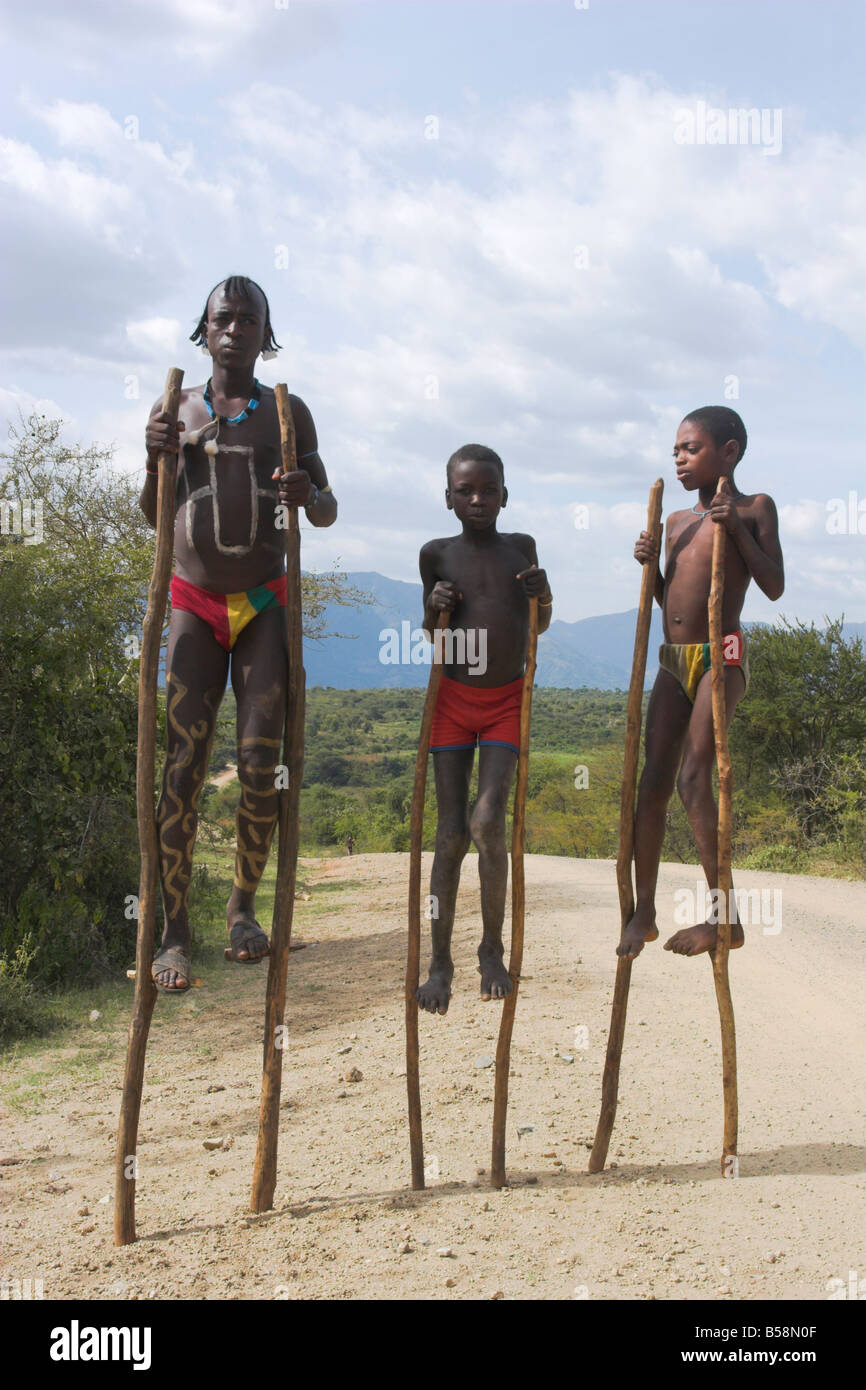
column 644, row 551
column 321, row 510
column 439, row 595
column 161, row 435
column 761, row 551
column 535, row 582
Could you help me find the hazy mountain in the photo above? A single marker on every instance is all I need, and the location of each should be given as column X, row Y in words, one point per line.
column 593, row 652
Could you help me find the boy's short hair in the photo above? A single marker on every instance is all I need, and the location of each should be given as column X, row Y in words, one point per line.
column 242, row 287
column 721, row 424
column 480, row 453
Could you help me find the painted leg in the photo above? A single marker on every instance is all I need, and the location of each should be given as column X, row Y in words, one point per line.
column 259, row 683
column 196, row 668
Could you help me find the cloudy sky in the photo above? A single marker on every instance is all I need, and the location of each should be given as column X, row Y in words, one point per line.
column 504, row 221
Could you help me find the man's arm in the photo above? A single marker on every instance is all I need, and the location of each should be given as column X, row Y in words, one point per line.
column 161, row 435
column 322, row 510
column 761, row 552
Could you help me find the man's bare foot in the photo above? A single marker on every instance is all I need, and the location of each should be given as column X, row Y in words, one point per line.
column 249, row 942
column 640, row 929
column 495, row 979
column 435, row 994
column 692, row 941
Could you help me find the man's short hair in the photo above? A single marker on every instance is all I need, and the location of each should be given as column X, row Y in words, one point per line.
column 240, row 287
column 480, row 453
column 721, row 424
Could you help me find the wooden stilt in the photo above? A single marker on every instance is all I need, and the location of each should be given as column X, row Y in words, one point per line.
column 126, row 1162
column 723, row 761
column 610, row 1080
column 518, row 910
column 265, row 1169
column 413, row 949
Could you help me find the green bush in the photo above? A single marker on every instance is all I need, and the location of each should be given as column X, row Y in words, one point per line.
column 779, row 859
column 22, row 1011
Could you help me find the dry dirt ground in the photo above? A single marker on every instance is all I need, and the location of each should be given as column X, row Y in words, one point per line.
column 659, row 1223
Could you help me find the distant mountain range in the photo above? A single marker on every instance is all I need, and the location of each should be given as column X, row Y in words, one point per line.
column 594, row 652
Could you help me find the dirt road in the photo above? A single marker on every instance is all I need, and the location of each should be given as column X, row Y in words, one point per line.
column 658, row 1223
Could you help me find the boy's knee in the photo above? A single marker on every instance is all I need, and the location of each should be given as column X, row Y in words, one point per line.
column 487, row 828
column 657, row 780
column 452, row 840
column 694, row 781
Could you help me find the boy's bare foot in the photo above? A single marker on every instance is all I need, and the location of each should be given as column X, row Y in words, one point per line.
column 249, row 942
column 692, row 941
column 495, row 979
column 639, row 929
column 435, row 994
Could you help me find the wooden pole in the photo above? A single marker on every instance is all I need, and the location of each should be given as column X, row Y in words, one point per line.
column 518, row 910
column 413, row 949
column 265, row 1169
column 723, row 761
column 126, row 1162
column 610, row 1080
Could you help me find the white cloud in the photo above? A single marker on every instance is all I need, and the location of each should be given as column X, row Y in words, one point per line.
column 16, row 404
column 436, row 291
column 803, row 518
column 156, row 336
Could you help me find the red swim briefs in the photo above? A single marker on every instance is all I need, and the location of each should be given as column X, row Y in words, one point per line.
column 466, row 714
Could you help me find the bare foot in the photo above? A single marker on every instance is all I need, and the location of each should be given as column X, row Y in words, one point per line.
column 639, row 929
column 692, row 941
column 495, row 979
column 435, row 994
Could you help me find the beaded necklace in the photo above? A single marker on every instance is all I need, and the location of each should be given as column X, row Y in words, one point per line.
column 234, row 419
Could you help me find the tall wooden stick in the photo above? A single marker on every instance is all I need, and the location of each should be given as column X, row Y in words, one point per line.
column 610, row 1080
column 518, row 911
column 413, row 949
column 723, row 761
column 265, row 1169
column 126, row 1162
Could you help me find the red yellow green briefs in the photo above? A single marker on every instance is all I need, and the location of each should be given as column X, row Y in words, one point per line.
column 227, row 614
column 689, row 661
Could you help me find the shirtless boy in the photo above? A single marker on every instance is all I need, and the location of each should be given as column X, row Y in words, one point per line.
column 680, row 745
column 227, row 596
column 483, row 578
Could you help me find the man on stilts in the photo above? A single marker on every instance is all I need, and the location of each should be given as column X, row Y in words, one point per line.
column 227, row 593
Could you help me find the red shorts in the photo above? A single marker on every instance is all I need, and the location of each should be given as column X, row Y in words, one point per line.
column 468, row 714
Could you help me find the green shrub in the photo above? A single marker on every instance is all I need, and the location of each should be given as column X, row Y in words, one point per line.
column 779, row 859
column 22, row 1011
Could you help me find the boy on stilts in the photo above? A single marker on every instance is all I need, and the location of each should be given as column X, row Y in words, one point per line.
column 680, row 746
column 483, row 578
